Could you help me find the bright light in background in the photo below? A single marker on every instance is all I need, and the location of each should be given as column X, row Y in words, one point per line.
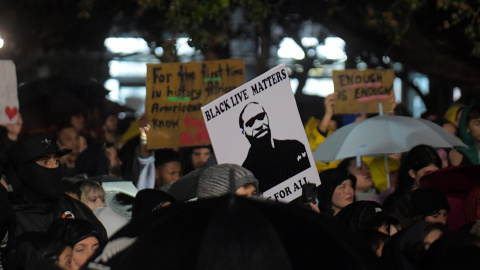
column 418, row 107
column 334, row 49
column 114, row 86
column 290, row 49
column 1, row 42
column 457, row 94
column 397, row 88
column 422, row 83
column 183, row 48
column 127, row 69
column 159, row 51
column 309, row 41
column 126, row 45
column 315, row 87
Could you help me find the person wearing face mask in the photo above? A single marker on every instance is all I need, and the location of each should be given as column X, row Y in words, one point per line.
column 272, row 161
column 39, row 198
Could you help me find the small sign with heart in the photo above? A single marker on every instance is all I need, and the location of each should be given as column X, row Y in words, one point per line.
column 9, row 105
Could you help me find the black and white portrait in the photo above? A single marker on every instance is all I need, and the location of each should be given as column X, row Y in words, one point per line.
column 257, row 126
column 272, row 161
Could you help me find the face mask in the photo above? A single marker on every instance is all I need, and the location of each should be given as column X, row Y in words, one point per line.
column 44, row 182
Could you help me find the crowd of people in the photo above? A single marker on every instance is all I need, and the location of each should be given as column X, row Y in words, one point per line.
column 55, row 215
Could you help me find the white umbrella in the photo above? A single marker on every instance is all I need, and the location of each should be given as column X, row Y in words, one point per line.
column 383, row 135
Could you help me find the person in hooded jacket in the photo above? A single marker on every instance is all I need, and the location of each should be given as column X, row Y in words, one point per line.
column 469, row 132
column 40, row 250
column 39, row 199
column 81, row 235
column 336, row 191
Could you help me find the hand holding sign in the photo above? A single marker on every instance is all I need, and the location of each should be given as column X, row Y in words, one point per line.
column 360, row 91
column 257, row 125
column 13, row 130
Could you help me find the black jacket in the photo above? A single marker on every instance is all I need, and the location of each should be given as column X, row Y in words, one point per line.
column 33, row 215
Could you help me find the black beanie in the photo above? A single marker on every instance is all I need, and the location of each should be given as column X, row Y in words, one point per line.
column 149, row 200
column 73, row 230
column 427, row 200
column 363, row 215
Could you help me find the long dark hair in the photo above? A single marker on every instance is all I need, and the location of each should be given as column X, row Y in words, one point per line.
column 416, row 159
column 399, row 202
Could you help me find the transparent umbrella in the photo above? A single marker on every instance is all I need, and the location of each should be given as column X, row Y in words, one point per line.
column 382, row 135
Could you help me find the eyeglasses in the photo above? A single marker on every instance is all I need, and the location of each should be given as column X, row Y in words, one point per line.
column 252, row 120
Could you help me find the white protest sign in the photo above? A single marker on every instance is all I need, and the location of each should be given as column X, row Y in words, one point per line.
column 257, row 125
column 8, row 93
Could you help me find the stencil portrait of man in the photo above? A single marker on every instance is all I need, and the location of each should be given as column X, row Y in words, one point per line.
column 272, row 161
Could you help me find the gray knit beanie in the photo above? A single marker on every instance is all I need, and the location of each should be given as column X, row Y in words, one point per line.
column 221, row 179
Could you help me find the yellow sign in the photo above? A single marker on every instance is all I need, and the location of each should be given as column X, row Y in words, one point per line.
column 177, row 91
column 360, row 91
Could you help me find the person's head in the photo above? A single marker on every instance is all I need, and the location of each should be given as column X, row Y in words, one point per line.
column 168, row 167
column 35, row 161
column 67, row 137
column 375, row 240
column 71, row 189
column 77, row 121
column 473, row 122
column 198, row 156
column 78, row 233
column 34, row 248
column 114, row 162
column 379, row 174
column 99, row 159
column 254, row 123
column 221, row 179
column 150, row 200
column 110, row 123
column 65, row 259
column 429, row 204
column 93, row 194
column 362, row 173
column 447, row 125
column 454, row 113
column 337, row 190
column 430, row 116
column 420, row 160
column 365, row 215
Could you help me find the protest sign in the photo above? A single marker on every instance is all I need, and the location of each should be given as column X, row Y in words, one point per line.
column 8, row 93
column 177, row 91
column 360, row 91
column 257, row 125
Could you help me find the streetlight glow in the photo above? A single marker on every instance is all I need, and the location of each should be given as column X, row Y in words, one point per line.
column 1, row 42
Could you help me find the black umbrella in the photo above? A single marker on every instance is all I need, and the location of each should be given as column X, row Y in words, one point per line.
column 232, row 232
column 49, row 101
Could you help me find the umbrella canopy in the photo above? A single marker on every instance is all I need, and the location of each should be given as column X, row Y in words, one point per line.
column 383, row 134
column 49, row 101
column 232, row 232
column 455, row 183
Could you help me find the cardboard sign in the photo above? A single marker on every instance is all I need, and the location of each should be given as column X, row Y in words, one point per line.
column 360, row 91
column 177, row 91
column 257, row 125
column 9, row 105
